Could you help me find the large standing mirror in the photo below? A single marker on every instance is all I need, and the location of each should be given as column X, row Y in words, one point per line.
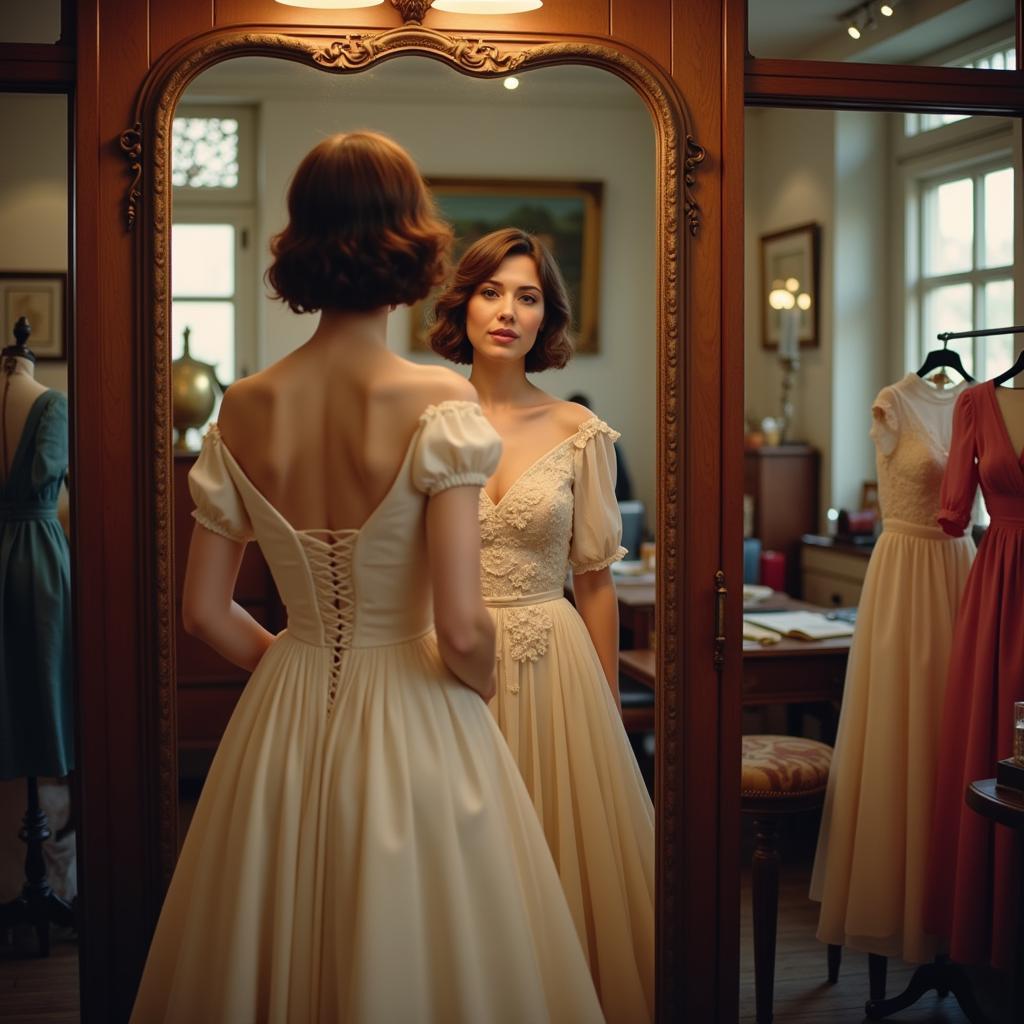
column 867, row 235
column 38, row 878
column 593, row 156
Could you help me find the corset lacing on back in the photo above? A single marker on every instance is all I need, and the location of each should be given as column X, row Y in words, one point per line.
column 329, row 554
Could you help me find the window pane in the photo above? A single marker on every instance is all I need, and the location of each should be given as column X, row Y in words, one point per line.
column 203, row 260
column 205, row 152
column 999, row 349
column 212, row 337
column 30, row 21
column 949, row 227
column 949, row 309
column 999, row 218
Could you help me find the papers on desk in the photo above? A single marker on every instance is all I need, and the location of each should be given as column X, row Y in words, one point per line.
column 798, row 625
column 765, row 637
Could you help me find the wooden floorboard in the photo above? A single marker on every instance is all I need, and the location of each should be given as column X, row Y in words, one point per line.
column 802, row 992
column 39, row 990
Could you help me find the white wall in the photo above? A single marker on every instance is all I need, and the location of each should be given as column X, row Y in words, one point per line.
column 830, row 167
column 34, row 196
column 615, row 146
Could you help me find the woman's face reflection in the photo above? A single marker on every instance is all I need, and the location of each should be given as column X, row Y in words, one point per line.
column 505, row 312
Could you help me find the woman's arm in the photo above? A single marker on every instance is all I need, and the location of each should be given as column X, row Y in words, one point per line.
column 594, row 594
column 465, row 630
column 208, row 610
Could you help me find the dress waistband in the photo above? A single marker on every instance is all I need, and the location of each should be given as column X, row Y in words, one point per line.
column 915, row 530
column 516, row 602
column 1008, row 522
column 25, row 514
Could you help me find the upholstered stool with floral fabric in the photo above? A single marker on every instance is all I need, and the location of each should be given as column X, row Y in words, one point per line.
column 781, row 775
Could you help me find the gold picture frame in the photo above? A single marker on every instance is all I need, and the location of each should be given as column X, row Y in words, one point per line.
column 787, row 255
column 565, row 215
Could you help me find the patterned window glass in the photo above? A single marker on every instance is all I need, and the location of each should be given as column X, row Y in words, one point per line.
column 205, row 152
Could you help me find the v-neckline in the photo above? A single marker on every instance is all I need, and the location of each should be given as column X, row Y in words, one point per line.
column 1018, row 456
column 27, row 428
column 533, row 465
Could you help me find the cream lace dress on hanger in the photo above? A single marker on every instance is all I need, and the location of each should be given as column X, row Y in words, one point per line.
column 363, row 849
column 555, row 709
column 869, row 870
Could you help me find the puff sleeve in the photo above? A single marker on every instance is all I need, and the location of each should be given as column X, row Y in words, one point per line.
column 885, row 422
column 457, row 447
column 596, row 522
column 219, row 506
column 960, row 481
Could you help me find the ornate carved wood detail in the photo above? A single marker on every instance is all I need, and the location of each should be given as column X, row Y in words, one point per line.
column 131, row 145
column 678, row 157
column 412, row 11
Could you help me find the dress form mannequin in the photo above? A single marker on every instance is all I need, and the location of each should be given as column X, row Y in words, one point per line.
column 34, row 691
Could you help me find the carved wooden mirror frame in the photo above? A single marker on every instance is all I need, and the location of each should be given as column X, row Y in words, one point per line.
column 147, row 147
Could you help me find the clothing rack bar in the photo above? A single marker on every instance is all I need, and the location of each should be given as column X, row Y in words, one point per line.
column 950, row 335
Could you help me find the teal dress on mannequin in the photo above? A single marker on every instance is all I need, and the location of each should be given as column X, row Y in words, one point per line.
column 36, row 727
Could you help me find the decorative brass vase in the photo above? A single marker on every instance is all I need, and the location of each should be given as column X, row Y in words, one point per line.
column 194, row 388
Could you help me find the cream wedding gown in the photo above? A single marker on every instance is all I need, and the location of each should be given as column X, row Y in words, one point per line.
column 364, row 849
column 554, row 707
column 873, row 846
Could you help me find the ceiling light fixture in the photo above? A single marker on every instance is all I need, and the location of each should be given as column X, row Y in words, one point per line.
column 511, row 82
column 853, row 30
column 486, row 6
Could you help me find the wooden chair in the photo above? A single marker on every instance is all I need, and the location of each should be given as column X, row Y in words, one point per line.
column 782, row 775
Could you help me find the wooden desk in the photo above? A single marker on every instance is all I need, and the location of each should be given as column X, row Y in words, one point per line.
column 636, row 595
column 789, row 672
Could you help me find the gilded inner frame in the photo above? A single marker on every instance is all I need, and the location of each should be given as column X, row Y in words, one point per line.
column 146, row 145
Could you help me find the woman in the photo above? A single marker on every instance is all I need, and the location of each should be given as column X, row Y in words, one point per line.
column 551, row 504
column 363, row 849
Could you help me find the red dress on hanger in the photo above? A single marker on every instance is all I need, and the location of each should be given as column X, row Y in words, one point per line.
column 971, row 871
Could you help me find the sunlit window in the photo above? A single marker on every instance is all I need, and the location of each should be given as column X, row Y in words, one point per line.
column 205, row 152
column 213, row 276
column 998, row 58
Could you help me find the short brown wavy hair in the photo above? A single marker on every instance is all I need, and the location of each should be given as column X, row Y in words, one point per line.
column 363, row 231
column 553, row 347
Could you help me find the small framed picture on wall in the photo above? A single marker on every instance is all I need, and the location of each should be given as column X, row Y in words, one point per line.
column 40, row 297
column 789, row 285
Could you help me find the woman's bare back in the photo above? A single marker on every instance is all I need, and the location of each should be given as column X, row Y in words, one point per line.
column 323, row 432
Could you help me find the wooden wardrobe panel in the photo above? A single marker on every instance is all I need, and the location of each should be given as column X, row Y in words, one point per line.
column 112, row 593
column 269, row 13
column 644, row 26
column 170, row 23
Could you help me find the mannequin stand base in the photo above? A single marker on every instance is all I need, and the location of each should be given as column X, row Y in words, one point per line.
column 942, row 976
column 38, row 905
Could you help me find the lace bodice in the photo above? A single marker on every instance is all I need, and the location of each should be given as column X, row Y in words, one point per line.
column 912, row 431
column 560, row 511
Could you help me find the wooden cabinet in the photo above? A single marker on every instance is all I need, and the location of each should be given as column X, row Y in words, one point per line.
column 209, row 686
column 783, row 482
column 833, row 573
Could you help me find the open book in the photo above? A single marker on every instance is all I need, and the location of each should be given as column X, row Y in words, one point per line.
column 800, row 625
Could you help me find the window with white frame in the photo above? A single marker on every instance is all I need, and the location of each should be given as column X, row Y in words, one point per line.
column 1000, row 56
column 965, row 262
column 213, row 225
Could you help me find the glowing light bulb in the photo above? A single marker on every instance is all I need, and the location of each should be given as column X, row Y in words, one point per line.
column 792, row 284
column 853, row 31
column 803, row 300
column 885, row 10
column 511, row 83
column 779, row 298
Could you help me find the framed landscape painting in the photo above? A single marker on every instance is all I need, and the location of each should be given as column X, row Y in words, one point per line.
column 565, row 215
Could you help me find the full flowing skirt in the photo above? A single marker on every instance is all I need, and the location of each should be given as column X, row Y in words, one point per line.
column 970, row 884
column 554, row 707
column 379, row 864
column 873, row 845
